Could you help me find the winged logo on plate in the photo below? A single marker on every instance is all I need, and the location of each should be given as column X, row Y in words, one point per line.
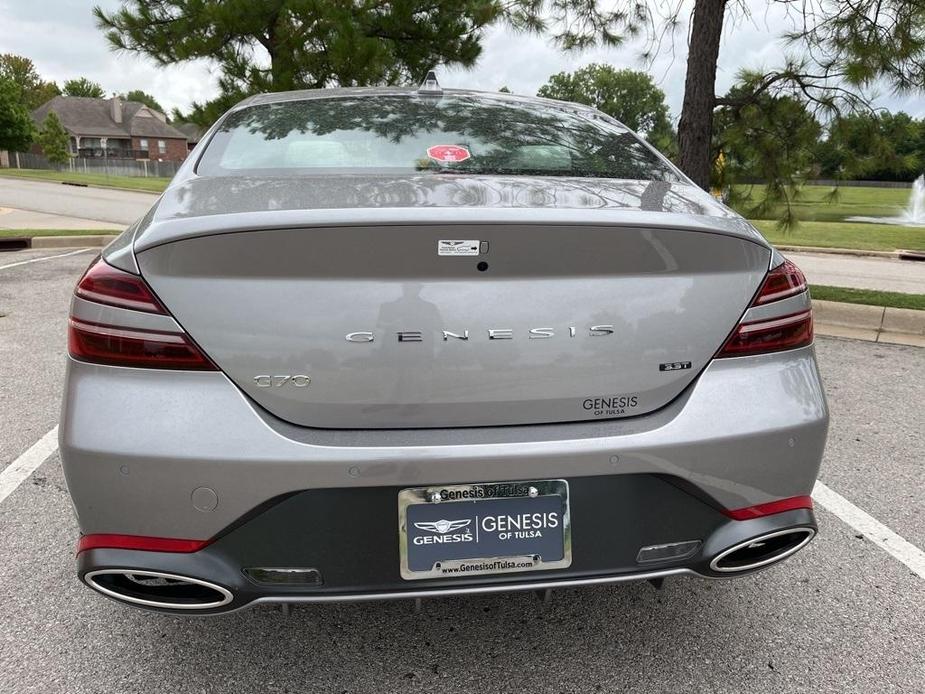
column 443, row 526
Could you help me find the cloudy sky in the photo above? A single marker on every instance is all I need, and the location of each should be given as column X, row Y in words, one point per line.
column 62, row 40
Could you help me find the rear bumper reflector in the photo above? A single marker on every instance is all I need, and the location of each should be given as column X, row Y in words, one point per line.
column 770, row 508
column 139, row 542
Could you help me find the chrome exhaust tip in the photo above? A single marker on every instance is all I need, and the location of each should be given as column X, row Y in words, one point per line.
column 762, row 550
column 157, row 589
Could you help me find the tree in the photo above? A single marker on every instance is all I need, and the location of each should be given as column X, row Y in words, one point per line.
column 41, row 95
column 142, row 98
column 840, row 50
column 83, row 87
column 54, row 140
column 629, row 96
column 771, row 139
column 276, row 45
column 880, row 146
column 15, row 121
column 34, row 90
column 204, row 115
column 844, row 48
column 905, row 156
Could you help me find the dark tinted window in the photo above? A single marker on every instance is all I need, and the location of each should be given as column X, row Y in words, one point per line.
column 458, row 134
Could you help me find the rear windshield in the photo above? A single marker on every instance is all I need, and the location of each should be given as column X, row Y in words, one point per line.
column 451, row 134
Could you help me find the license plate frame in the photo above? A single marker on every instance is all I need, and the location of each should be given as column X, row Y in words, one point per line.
column 466, row 500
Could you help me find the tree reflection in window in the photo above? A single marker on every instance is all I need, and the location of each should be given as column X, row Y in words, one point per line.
column 391, row 134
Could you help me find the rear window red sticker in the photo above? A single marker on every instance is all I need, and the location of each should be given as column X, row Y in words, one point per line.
column 448, row 153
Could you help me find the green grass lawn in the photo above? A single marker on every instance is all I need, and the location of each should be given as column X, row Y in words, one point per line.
column 813, row 203
column 857, row 235
column 29, row 233
column 870, row 297
column 822, row 220
column 150, row 185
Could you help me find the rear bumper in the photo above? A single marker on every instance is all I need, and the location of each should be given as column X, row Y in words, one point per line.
column 185, row 454
column 342, row 535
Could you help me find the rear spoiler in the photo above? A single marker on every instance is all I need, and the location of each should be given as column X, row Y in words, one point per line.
column 176, row 229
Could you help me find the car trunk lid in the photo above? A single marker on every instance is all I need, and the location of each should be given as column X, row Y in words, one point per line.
column 371, row 326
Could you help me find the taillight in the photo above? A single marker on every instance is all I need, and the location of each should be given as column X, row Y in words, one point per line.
column 106, row 342
column 773, row 333
column 152, row 349
column 104, row 284
column 784, row 281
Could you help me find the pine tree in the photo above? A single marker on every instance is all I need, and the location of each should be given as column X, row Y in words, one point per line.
column 838, row 49
column 54, row 140
column 277, row 45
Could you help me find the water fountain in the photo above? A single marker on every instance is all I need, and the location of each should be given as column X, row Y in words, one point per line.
column 912, row 216
column 915, row 210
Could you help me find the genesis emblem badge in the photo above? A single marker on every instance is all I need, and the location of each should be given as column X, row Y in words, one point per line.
column 443, row 526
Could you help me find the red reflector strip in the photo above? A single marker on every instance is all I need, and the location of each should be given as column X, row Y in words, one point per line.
column 115, row 346
column 772, row 335
column 139, row 542
column 770, row 508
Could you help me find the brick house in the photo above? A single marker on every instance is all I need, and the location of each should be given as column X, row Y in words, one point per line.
column 115, row 129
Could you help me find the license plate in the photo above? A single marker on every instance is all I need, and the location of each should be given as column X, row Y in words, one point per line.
column 463, row 530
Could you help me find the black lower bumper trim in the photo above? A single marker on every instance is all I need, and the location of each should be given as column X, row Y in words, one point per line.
column 351, row 537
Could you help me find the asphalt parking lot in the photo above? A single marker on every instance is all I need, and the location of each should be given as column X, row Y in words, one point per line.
column 841, row 616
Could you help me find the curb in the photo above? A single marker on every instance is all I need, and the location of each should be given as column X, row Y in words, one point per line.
column 900, row 326
column 893, row 255
column 99, row 186
column 837, row 251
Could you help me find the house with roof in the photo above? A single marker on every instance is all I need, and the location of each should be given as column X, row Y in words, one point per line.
column 193, row 132
column 115, row 129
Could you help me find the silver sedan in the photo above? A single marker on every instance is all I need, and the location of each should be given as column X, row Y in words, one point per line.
column 388, row 343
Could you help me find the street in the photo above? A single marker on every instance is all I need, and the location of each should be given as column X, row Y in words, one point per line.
column 841, row 616
column 862, row 272
column 12, row 218
column 100, row 204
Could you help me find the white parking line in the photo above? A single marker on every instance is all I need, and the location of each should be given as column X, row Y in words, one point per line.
column 872, row 529
column 46, row 257
column 20, row 469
